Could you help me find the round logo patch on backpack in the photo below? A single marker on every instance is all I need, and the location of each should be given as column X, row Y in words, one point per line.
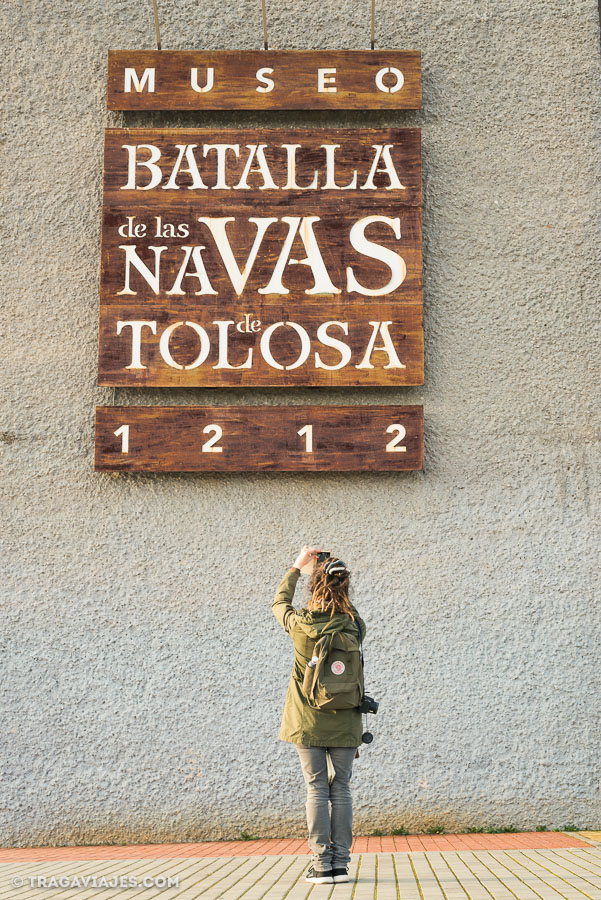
column 338, row 667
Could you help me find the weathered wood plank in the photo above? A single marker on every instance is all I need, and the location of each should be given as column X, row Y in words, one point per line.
column 259, row 438
column 335, row 154
column 331, row 234
column 265, row 79
column 174, row 252
column 243, row 353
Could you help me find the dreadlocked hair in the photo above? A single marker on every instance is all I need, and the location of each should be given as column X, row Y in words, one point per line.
column 329, row 593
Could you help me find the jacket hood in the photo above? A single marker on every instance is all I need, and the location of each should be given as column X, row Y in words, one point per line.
column 316, row 624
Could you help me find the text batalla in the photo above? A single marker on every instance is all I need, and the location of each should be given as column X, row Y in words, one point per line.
column 214, row 162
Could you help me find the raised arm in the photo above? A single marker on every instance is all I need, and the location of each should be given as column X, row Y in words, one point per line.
column 282, row 607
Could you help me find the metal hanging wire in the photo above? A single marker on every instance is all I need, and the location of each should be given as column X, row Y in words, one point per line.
column 264, row 16
column 155, row 9
column 373, row 24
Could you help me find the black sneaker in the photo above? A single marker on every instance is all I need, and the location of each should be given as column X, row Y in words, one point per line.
column 340, row 875
column 318, row 877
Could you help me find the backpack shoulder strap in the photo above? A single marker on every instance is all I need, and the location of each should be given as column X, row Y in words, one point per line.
column 321, row 650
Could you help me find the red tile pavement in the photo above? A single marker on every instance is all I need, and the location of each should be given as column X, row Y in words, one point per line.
column 298, row 846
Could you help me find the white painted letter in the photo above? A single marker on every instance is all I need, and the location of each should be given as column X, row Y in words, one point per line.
column 217, row 227
column 326, row 77
column 205, row 345
column 291, row 184
column 328, row 341
column 383, row 150
column 131, row 80
column 221, row 150
column 136, row 339
column 267, row 84
column 330, row 184
column 132, row 259
column 314, row 259
column 208, row 85
column 155, row 172
column 388, row 347
column 394, row 261
column 222, row 362
column 192, row 168
column 266, row 349
column 400, row 80
column 201, row 273
column 257, row 150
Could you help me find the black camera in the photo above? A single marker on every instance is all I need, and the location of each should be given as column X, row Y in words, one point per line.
column 368, row 705
column 322, row 556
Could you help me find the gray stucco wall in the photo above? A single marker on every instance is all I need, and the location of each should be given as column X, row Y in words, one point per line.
column 143, row 674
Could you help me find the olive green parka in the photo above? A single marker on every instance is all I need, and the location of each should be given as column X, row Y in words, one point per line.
column 301, row 723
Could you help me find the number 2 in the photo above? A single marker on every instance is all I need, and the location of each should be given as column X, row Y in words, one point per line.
column 392, row 446
column 123, row 432
column 208, row 446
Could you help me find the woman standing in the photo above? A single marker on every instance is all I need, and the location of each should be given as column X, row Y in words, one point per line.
column 312, row 730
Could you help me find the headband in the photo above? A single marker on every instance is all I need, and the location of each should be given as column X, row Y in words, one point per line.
column 335, row 567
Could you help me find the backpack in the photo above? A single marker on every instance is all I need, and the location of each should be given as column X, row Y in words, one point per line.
column 335, row 681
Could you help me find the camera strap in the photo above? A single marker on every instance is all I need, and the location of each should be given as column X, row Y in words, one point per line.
column 366, row 733
column 362, row 660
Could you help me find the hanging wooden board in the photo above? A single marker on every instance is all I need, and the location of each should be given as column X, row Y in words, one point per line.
column 259, row 438
column 264, row 79
column 261, row 347
column 261, row 257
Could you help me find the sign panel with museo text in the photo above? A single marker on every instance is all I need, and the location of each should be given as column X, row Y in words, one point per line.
column 264, row 79
column 261, row 257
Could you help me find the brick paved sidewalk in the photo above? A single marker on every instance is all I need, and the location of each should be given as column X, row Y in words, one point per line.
column 295, row 846
column 546, row 866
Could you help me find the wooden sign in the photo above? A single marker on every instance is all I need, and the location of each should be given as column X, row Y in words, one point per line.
column 259, row 438
column 261, row 257
column 264, row 79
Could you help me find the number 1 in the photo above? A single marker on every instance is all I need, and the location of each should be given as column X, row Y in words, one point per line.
column 124, row 433
column 307, row 431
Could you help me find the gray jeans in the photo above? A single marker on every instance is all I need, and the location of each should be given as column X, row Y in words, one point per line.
column 330, row 838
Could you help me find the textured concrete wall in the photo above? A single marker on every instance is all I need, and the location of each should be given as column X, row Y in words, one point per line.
column 143, row 674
